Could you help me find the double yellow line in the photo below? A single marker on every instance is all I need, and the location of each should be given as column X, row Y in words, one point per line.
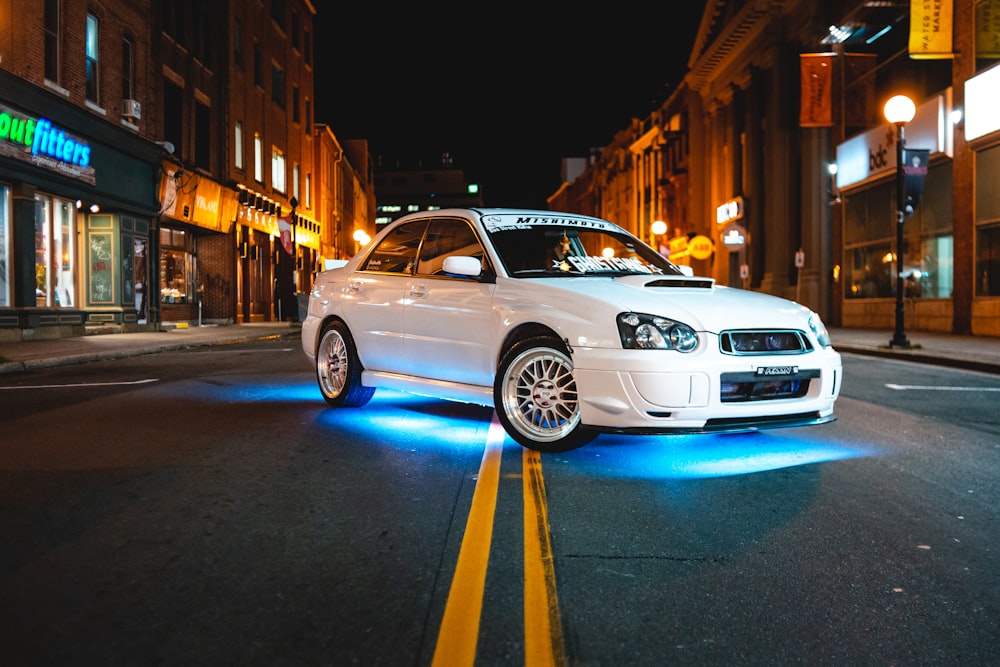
column 459, row 632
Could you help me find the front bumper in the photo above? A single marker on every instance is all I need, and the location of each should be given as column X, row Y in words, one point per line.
column 664, row 391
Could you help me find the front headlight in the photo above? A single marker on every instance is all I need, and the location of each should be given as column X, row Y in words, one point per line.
column 651, row 332
column 819, row 329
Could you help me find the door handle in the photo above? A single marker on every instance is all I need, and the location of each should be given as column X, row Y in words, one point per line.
column 418, row 291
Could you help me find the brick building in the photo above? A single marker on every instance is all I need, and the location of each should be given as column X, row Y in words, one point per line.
column 159, row 164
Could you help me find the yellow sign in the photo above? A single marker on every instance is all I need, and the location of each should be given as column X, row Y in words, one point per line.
column 678, row 245
column 701, row 247
column 931, row 29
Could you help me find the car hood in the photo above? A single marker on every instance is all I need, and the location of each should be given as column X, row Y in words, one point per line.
column 697, row 302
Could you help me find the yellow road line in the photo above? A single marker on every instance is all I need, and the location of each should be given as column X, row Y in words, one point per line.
column 543, row 641
column 459, row 632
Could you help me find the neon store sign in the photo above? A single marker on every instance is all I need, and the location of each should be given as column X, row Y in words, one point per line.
column 44, row 144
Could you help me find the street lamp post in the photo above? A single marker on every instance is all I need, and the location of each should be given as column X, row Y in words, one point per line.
column 899, row 111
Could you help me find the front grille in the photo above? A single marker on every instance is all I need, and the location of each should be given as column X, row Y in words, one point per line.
column 764, row 341
column 746, row 387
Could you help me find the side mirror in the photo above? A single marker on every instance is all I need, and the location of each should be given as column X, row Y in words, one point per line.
column 460, row 265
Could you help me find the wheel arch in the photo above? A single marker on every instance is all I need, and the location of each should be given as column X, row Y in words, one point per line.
column 526, row 331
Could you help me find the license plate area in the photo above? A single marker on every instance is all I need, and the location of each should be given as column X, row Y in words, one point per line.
column 766, row 383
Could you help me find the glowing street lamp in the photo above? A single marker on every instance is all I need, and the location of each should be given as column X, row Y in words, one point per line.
column 899, row 111
column 658, row 228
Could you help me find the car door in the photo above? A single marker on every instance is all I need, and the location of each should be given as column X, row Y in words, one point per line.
column 450, row 332
column 375, row 298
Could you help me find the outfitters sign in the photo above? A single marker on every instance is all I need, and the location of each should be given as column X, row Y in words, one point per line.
column 40, row 142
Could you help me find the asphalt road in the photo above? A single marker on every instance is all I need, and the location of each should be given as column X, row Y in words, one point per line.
column 204, row 507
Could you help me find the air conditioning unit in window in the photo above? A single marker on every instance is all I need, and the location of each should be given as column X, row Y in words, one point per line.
column 132, row 109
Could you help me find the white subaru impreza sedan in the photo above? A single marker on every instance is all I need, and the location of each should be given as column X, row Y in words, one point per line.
column 568, row 326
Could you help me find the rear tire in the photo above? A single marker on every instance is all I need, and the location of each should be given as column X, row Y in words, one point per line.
column 536, row 397
column 338, row 369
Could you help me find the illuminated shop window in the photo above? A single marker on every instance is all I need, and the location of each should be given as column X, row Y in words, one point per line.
column 54, row 253
column 177, row 284
column 928, row 247
column 5, row 263
column 987, row 248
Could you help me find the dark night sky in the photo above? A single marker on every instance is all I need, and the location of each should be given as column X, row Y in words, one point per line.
column 508, row 94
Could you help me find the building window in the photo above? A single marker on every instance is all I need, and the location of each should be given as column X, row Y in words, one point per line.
column 92, row 62
column 202, row 136
column 295, row 183
column 128, row 69
column 295, row 103
column 238, row 43
column 52, row 41
column 278, row 12
column 277, row 85
column 277, row 170
column 238, row 144
column 928, row 247
column 296, row 32
column 258, row 66
column 987, row 277
column 54, row 253
column 988, row 260
column 170, row 13
column 258, row 158
column 309, row 116
column 177, row 283
column 307, row 48
column 204, row 31
column 173, row 116
column 308, row 192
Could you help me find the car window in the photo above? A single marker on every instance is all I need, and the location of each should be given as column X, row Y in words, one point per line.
column 397, row 252
column 528, row 251
column 445, row 238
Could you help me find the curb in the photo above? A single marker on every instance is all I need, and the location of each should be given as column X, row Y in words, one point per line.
column 923, row 358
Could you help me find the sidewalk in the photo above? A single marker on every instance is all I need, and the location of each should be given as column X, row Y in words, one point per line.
column 26, row 355
column 980, row 353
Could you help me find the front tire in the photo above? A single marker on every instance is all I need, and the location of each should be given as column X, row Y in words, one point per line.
column 536, row 397
column 338, row 368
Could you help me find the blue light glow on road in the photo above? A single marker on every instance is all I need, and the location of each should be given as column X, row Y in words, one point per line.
column 408, row 422
column 708, row 455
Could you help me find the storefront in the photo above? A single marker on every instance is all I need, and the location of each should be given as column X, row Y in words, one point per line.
column 866, row 178
column 194, row 277
column 77, row 197
column 982, row 131
column 278, row 252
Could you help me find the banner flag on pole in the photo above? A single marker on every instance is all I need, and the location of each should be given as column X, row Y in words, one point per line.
column 915, row 167
column 816, row 106
column 988, row 29
column 931, row 29
column 285, row 228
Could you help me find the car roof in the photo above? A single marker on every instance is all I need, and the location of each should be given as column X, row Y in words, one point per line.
column 480, row 212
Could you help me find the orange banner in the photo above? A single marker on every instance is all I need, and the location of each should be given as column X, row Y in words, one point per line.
column 931, row 29
column 816, row 106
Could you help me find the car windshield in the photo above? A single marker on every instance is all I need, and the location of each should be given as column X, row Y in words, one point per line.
column 531, row 247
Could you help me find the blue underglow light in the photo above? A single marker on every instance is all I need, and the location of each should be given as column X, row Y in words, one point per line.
column 710, row 455
column 409, row 422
